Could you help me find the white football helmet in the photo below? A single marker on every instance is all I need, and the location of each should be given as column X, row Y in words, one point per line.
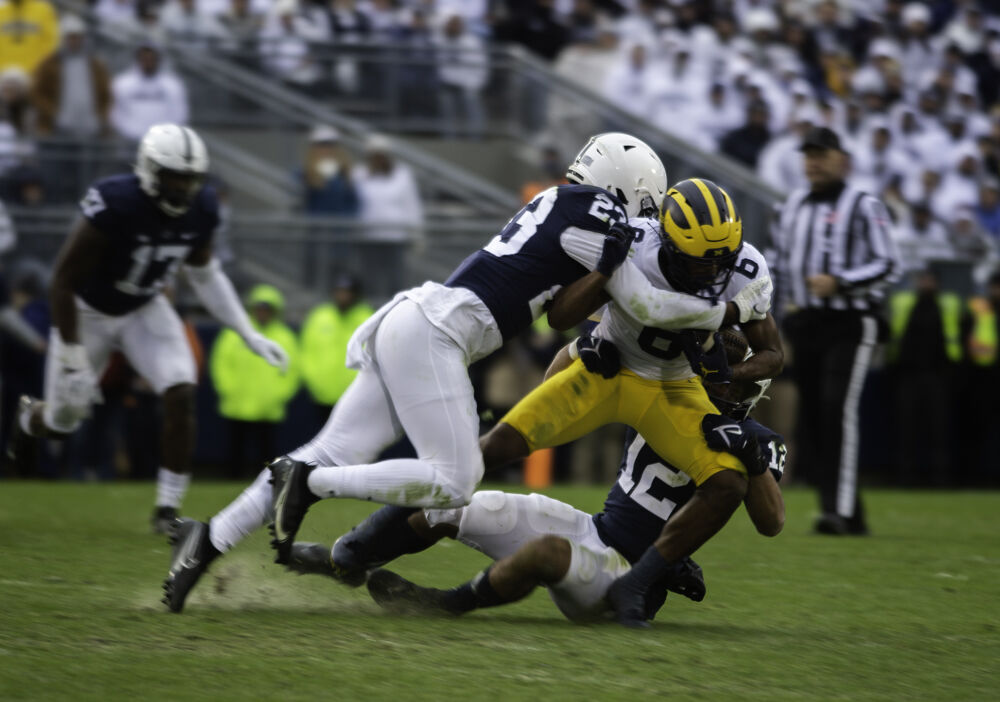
column 626, row 167
column 171, row 164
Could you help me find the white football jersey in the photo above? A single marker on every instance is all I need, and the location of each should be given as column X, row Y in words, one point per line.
column 651, row 352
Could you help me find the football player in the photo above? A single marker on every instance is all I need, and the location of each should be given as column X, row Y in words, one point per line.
column 538, row 541
column 697, row 248
column 137, row 230
column 413, row 354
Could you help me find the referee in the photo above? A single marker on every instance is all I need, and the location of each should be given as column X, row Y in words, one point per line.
column 835, row 259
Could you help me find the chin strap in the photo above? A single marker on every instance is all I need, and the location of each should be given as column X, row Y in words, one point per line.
column 217, row 294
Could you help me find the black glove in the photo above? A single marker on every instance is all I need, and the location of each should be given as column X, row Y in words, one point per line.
column 685, row 578
column 599, row 356
column 725, row 434
column 617, row 243
column 710, row 365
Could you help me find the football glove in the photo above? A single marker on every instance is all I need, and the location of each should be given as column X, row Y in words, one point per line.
column 754, row 300
column 599, row 356
column 685, row 578
column 269, row 350
column 75, row 382
column 617, row 243
column 712, row 365
column 725, row 434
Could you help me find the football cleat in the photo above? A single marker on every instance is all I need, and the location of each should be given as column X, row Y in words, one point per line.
column 629, row 604
column 22, row 447
column 164, row 520
column 397, row 594
column 292, row 499
column 193, row 552
column 309, row 558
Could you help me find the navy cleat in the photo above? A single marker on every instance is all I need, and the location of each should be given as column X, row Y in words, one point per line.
column 22, row 447
column 292, row 499
column 164, row 520
column 193, row 552
column 397, row 594
column 628, row 603
column 309, row 558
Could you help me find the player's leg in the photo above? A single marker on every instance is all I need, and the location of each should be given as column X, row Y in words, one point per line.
column 528, row 535
column 672, row 426
column 154, row 342
column 565, row 407
column 426, row 376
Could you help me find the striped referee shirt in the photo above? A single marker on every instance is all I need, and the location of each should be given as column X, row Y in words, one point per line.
column 843, row 233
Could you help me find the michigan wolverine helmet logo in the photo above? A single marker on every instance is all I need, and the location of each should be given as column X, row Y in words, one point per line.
column 702, row 236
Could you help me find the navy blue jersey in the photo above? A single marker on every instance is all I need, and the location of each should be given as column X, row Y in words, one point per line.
column 523, row 267
column 146, row 245
column 649, row 490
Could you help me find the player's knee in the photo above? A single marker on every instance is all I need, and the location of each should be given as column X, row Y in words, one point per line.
column 502, row 445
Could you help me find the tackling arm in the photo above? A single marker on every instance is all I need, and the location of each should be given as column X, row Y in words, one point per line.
column 216, row 292
column 768, row 358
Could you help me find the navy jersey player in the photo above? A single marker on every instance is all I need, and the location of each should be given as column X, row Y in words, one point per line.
column 539, row 541
column 413, row 354
column 137, row 230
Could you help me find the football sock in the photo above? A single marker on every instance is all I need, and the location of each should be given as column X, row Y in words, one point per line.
column 647, row 570
column 474, row 594
column 398, row 481
column 244, row 515
column 171, row 487
column 382, row 537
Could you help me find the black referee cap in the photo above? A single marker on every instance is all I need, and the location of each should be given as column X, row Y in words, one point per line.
column 821, row 138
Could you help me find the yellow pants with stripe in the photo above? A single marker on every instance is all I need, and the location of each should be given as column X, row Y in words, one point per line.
column 668, row 414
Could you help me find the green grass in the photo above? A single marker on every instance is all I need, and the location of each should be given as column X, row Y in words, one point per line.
column 910, row 613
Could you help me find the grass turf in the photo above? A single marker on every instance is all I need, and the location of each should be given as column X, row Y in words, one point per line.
column 910, row 613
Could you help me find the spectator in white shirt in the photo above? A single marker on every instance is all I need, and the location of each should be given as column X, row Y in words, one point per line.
column 147, row 94
column 463, row 70
column 188, row 26
column 877, row 162
column 390, row 210
column 921, row 238
column 284, row 44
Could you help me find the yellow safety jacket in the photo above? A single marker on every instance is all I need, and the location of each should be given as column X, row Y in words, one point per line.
column 901, row 306
column 982, row 341
column 324, row 350
column 249, row 388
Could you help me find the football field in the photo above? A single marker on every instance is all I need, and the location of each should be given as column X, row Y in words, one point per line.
column 912, row 613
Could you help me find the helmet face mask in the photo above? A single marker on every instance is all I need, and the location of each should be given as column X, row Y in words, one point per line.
column 702, row 236
column 624, row 166
column 171, row 165
column 737, row 399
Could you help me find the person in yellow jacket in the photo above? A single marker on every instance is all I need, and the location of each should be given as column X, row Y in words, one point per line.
column 978, row 458
column 324, row 343
column 252, row 394
column 924, row 353
column 29, row 32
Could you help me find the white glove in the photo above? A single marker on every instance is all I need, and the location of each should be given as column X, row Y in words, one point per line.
column 269, row 350
column 754, row 300
column 75, row 381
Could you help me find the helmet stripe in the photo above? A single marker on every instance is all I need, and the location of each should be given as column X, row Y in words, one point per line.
column 187, row 145
column 697, row 201
column 707, row 189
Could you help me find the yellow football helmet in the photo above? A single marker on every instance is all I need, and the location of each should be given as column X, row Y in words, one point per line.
column 702, row 237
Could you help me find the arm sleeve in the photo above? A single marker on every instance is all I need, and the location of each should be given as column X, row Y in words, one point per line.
column 637, row 296
column 882, row 268
column 216, row 292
